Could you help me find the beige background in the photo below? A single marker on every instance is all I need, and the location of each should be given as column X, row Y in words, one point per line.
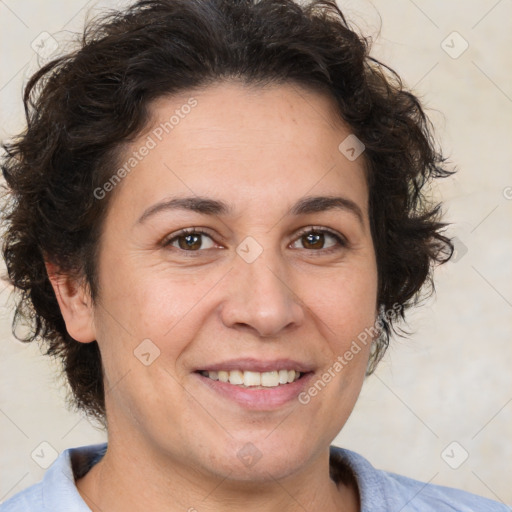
column 452, row 380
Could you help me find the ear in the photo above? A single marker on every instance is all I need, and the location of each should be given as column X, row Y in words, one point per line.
column 75, row 304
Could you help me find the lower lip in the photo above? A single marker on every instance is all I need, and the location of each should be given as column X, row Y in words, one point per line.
column 258, row 398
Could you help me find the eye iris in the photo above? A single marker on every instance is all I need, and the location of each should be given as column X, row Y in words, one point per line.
column 315, row 239
column 191, row 242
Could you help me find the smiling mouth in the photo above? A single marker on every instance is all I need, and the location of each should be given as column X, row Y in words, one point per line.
column 258, row 380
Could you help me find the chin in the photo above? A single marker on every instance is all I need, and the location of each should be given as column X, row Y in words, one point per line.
column 258, row 462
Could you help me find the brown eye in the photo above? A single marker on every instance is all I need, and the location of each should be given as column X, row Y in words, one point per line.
column 191, row 241
column 316, row 239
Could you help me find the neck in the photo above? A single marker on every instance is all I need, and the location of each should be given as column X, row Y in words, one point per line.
column 130, row 479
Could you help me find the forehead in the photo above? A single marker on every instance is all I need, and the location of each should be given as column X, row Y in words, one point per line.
column 243, row 143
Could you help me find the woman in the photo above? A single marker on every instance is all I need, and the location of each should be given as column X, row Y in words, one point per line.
column 217, row 217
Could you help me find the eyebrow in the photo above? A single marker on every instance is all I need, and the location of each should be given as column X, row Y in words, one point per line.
column 207, row 206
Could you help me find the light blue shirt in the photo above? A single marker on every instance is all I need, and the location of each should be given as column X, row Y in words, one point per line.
column 380, row 491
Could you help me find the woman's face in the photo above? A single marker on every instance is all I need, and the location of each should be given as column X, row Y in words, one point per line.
column 268, row 281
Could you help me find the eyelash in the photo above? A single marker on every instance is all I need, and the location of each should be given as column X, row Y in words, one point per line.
column 341, row 241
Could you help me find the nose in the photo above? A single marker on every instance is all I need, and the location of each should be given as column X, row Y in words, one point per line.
column 260, row 298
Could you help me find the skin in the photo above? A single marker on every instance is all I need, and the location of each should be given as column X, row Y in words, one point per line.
column 173, row 441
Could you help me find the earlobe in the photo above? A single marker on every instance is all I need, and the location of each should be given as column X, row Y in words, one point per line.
column 75, row 303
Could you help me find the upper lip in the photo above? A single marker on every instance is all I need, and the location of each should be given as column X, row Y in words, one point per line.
column 258, row 365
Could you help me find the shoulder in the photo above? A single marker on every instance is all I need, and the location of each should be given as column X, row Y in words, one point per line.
column 382, row 491
column 57, row 490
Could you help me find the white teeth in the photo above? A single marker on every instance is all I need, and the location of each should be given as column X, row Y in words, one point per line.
column 270, row 379
column 252, row 378
column 236, row 377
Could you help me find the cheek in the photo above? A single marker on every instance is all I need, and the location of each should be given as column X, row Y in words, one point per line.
column 147, row 300
column 149, row 304
column 345, row 303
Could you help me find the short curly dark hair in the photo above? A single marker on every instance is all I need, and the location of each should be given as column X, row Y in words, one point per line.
column 83, row 107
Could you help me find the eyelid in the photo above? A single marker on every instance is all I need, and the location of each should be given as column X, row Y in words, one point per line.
column 342, row 241
column 322, row 229
column 166, row 241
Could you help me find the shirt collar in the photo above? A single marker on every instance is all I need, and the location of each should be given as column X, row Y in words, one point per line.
column 60, row 493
